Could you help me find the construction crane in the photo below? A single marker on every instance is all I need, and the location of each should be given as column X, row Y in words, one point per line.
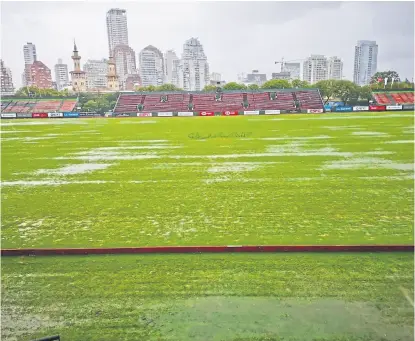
column 282, row 62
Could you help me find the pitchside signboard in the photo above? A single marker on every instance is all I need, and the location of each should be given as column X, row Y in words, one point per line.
column 313, row 111
column 361, row 108
column 24, row 115
column 40, row 115
column 295, row 111
column 55, row 114
column 408, row 107
column 165, row 114
column 122, row 115
column 144, row 114
column 89, row 114
column 252, row 112
column 8, row 115
column 394, row 107
column 185, row 113
column 344, row 108
column 229, row 113
column 71, row 114
column 377, row 108
column 272, row 112
column 206, row 113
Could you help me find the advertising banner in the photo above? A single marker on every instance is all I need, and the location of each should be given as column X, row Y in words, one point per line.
column 119, row 114
column 408, row 107
column 164, row 114
column 24, row 115
column 185, row 113
column 71, row 114
column 55, row 114
column 40, row 115
column 361, row 108
column 314, row 111
column 343, row 109
column 394, row 107
column 8, row 115
column 377, row 108
column 206, row 113
column 272, row 112
column 144, row 114
column 90, row 114
column 295, row 111
column 229, row 113
column 255, row 112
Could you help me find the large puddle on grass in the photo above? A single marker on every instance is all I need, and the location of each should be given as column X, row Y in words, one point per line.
column 373, row 163
column 75, row 169
column 267, row 318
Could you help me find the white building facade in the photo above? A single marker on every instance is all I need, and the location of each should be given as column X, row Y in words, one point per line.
column 365, row 61
column 170, row 59
column 61, row 75
column 151, row 66
column 96, row 73
column 315, row 69
column 116, row 28
column 7, row 87
column 335, row 68
column 125, row 63
column 293, row 69
column 194, row 68
column 30, row 56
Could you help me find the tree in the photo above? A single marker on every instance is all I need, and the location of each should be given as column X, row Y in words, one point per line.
column 296, row 83
column 253, row 87
column 150, row 88
column 276, row 84
column 327, row 89
column 347, row 91
column 209, row 88
column 390, row 74
column 365, row 93
column 167, row 87
column 234, row 86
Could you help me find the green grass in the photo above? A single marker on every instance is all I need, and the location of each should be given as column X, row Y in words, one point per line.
column 183, row 197
column 329, row 179
column 209, row 297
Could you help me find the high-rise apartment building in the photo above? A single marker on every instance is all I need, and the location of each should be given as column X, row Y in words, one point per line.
column 7, row 87
column 151, row 66
column 255, row 78
column 334, row 68
column 315, row 69
column 40, row 75
column 215, row 76
column 96, row 73
column 169, row 58
column 30, row 56
column 293, row 69
column 365, row 61
column 61, row 75
column 125, row 62
column 194, row 68
column 116, row 28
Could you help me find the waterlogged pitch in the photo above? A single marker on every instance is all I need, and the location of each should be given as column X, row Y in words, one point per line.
column 289, row 179
column 294, row 179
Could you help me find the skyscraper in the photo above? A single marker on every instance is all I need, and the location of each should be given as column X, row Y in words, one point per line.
column 365, row 61
column 315, row 69
column 125, row 62
column 169, row 58
column 96, row 73
column 335, row 68
column 194, row 68
column 61, row 75
column 40, row 75
column 117, row 28
column 30, row 56
column 7, row 87
column 151, row 66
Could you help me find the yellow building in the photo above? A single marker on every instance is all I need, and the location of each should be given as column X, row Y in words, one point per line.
column 78, row 77
column 112, row 78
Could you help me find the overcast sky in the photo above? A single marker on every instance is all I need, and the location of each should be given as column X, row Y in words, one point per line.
column 237, row 36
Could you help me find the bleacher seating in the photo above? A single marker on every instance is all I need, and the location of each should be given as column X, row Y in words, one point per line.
column 309, row 99
column 68, row 105
column 230, row 101
column 38, row 105
column 395, row 97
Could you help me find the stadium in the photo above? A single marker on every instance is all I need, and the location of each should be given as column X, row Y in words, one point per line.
column 290, row 220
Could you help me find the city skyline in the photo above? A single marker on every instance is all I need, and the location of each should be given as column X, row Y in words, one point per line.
column 227, row 53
